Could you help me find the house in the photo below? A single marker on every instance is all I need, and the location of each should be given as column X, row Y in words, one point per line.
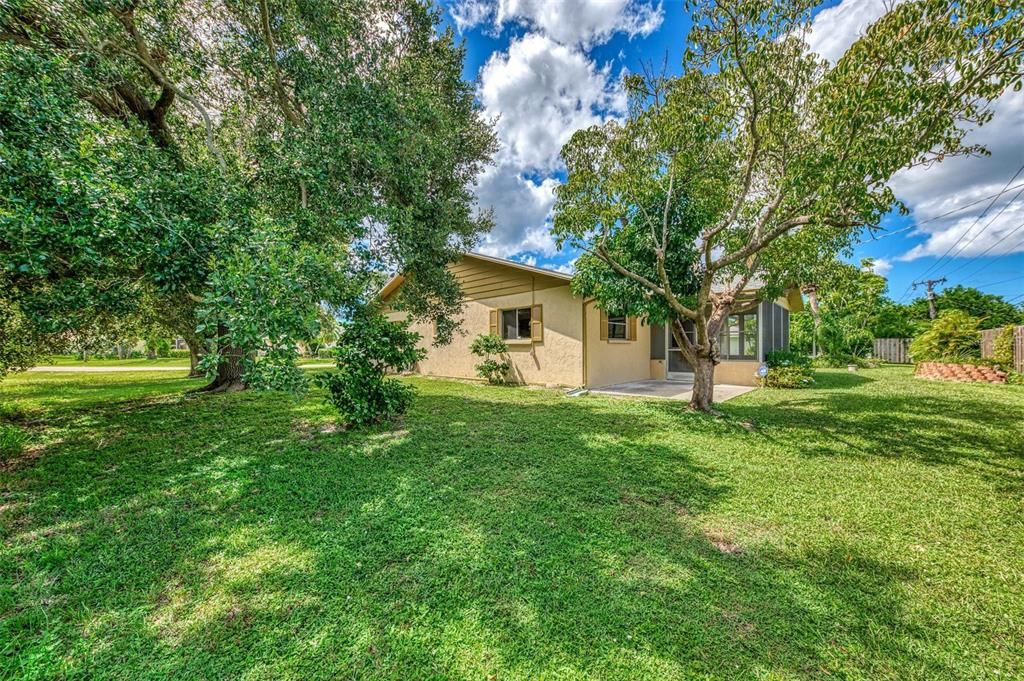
column 556, row 338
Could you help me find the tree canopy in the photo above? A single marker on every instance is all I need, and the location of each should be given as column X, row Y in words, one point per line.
column 227, row 167
column 773, row 151
column 991, row 309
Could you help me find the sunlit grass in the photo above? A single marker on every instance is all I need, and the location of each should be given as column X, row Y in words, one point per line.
column 869, row 528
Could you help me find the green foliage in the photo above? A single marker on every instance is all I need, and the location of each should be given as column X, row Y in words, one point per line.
column 787, row 369
column 12, row 441
column 370, row 347
column 787, row 358
column 788, row 377
column 992, row 310
column 495, row 367
column 227, row 177
column 844, row 335
column 953, row 337
column 1002, row 348
column 19, row 347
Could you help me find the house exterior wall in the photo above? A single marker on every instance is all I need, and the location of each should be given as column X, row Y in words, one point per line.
column 616, row 361
column 556, row 360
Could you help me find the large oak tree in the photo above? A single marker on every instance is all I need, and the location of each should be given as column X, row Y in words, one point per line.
column 228, row 168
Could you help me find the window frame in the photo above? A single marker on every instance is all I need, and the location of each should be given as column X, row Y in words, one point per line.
column 725, row 349
column 614, row 324
column 529, row 324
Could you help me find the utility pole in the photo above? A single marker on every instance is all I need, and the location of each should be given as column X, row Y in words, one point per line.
column 930, row 285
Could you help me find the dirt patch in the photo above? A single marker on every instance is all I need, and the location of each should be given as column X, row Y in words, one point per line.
column 723, row 543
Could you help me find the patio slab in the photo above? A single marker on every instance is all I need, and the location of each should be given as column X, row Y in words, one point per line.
column 668, row 390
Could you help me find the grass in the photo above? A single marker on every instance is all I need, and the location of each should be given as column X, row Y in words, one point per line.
column 870, row 528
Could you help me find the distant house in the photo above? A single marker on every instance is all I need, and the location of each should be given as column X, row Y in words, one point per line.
column 558, row 339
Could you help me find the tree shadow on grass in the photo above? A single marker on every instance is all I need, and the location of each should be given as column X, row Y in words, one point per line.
column 943, row 429
column 491, row 532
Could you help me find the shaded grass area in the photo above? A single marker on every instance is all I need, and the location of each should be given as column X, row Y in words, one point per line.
column 870, row 528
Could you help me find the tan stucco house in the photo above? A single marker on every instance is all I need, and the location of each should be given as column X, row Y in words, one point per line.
column 558, row 339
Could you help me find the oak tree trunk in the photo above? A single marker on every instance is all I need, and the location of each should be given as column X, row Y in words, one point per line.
column 229, row 371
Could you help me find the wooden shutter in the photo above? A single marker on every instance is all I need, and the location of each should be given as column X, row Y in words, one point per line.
column 494, row 322
column 632, row 328
column 537, row 324
column 604, row 326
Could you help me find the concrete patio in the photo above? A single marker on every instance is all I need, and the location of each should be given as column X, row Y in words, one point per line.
column 668, row 390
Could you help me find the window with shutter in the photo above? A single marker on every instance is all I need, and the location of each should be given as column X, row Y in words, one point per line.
column 516, row 323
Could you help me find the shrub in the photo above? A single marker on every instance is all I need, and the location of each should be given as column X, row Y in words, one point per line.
column 786, row 358
column 369, row 347
column 953, row 337
column 1002, row 348
column 788, row 377
column 178, row 354
column 495, row 367
column 12, row 441
column 840, row 361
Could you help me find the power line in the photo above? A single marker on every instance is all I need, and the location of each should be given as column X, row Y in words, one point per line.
column 939, row 217
column 1001, row 240
column 996, row 283
column 976, row 221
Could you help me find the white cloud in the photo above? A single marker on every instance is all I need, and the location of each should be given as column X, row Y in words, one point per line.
column 470, row 13
column 836, row 28
column 570, row 22
column 931, row 192
column 880, row 266
column 956, row 182
column 539, row 92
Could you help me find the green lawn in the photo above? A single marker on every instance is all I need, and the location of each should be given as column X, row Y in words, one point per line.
column 871, row 528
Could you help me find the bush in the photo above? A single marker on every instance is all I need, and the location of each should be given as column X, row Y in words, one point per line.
column 369, row 348
column 1002, row 349
column 786, row 358
column 788, row 377
column 953, row 337
column 840, row 361
column 178, row 354
column 495, row 367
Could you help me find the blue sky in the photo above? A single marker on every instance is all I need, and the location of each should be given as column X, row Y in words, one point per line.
column 545, row 68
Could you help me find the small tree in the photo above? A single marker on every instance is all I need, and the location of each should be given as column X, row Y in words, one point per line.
column 368, row 348
column 495, row 367
column 772, row 152
column 953, row 337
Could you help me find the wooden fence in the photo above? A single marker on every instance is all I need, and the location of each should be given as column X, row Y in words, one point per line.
column 988, row 341
column 893, row 350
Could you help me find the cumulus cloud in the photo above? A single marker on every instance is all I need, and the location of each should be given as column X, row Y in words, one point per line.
column 570, row 22
column 521, row 208
column 957, row 182
column 538, row 92
column 541, row 92
column 836, row 28
column 880, row 266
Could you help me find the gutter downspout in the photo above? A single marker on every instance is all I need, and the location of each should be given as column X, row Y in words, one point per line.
column 585, row 372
